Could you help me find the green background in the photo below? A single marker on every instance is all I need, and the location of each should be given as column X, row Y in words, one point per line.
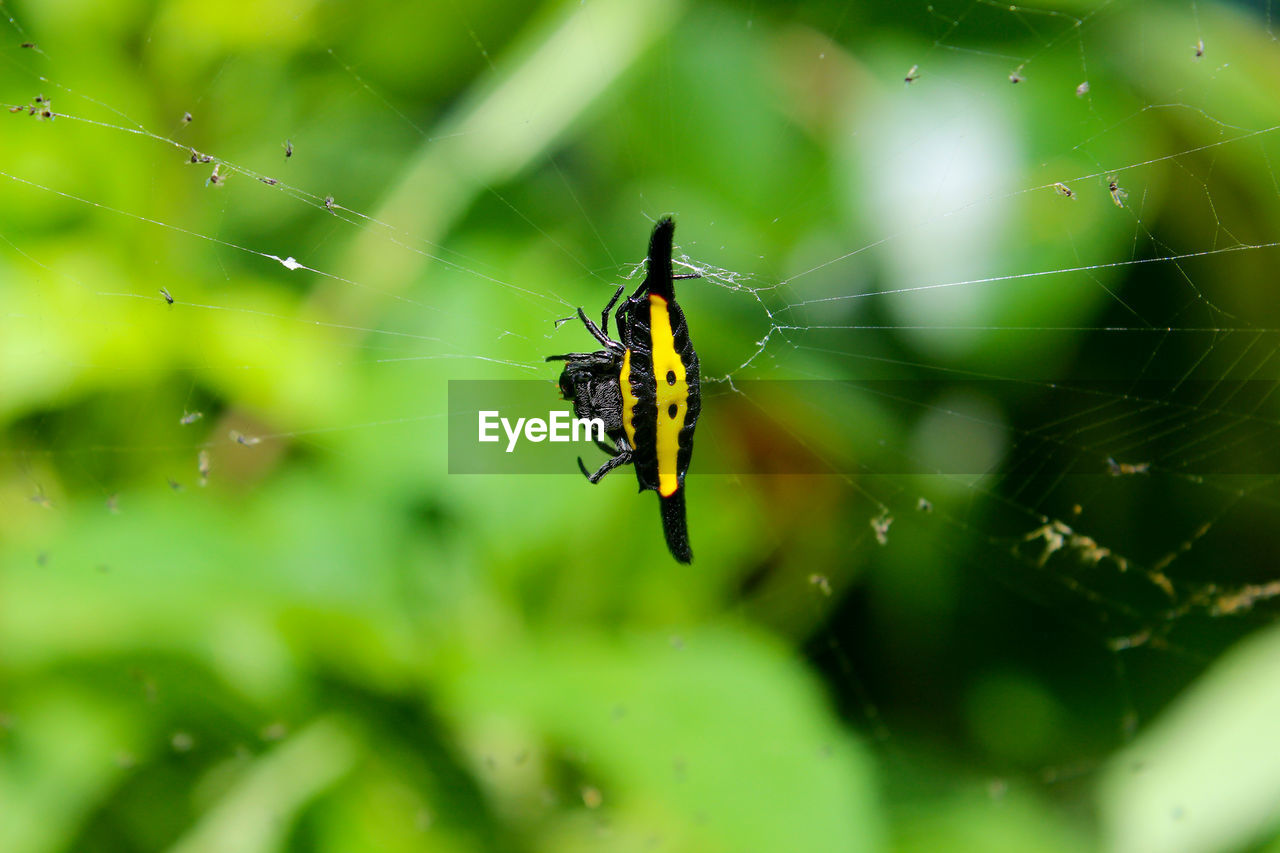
column 334, row 645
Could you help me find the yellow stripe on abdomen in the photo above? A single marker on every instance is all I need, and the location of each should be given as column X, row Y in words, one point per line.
column 672, row 397
column 629, row 399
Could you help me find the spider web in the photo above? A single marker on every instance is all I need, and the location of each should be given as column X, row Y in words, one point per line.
column 1003, row 272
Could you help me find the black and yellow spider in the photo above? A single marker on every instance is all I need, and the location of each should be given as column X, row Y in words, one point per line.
column 645, row 387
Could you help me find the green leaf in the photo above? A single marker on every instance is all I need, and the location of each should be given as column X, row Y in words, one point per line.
column 714, row 741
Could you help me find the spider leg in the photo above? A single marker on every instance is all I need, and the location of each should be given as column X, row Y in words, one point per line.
column 604, row 315
column 637, row 296
column 612, row 451
column 571, row 356
column 612, row 462
column 622, row 320
column 600, row 336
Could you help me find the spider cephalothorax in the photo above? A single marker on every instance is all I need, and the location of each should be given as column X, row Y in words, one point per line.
column 644, row 387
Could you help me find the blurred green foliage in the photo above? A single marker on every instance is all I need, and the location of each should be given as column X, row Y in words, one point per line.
column 335, row 645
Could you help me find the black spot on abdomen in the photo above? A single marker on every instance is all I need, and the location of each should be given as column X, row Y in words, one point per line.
column 673, row 410
column 671, row 377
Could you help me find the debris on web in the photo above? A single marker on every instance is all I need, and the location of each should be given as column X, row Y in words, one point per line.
column 1127, row 469
column 1055, row 536
column 880, row 526
column 1243, row 599
column 245, row 440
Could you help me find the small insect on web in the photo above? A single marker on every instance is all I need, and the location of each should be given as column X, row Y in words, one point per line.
column 645, row 388
column 1118, row 195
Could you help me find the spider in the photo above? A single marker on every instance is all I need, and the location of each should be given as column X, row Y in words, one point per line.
column 645, row 387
